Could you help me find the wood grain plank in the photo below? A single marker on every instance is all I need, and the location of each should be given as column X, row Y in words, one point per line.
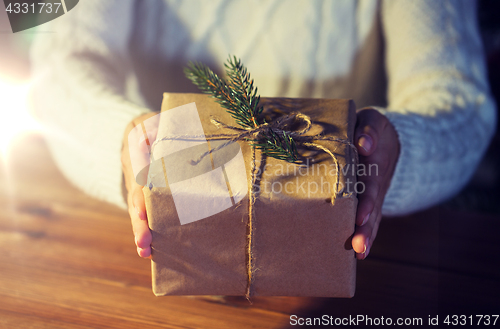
column 69, row 261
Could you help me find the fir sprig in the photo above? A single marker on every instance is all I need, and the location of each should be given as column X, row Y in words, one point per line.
column 243, row 87
column 237, row 103
column 279, row 146
column 239, row 97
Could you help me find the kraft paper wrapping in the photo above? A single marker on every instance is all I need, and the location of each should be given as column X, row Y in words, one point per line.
column 300, row 243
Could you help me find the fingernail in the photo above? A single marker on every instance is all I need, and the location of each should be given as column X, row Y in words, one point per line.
column 365, row 219
column 366, row 246
column 365, row 142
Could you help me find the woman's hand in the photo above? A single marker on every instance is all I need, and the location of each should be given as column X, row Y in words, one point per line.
column 135, row 155
column 378, row 144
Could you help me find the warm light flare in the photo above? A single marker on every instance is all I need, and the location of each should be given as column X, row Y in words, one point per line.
column 14, row 113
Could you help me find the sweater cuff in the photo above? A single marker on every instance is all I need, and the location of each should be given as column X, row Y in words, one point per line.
column 438, row 156
column 403, row 177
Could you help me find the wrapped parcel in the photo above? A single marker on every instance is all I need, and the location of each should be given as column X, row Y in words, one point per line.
column 234, row 222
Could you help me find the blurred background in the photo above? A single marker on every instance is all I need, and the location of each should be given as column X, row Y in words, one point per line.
column 86, row 273
column 481, row 195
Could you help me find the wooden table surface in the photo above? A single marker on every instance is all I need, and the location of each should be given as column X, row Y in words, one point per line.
column 69, row 261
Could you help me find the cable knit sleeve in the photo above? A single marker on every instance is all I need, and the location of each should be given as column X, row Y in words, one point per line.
column 80, row 69
column 438, row 99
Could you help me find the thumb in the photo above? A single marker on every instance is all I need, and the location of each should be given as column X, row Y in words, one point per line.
column 366, row 134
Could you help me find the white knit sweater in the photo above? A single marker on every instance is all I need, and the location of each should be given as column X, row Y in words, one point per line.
column 420, row 62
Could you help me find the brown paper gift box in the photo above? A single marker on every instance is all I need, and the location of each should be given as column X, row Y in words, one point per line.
column 300, row 243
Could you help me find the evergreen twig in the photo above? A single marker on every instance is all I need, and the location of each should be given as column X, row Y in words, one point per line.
column 239, row 97
column 278, row 146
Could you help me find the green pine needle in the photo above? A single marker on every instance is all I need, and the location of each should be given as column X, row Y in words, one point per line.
column 242, row 85
column 239, row 97
column 281, row 147
column 236, row 103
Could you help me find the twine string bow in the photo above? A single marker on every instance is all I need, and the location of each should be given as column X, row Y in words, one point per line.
column 279, row 126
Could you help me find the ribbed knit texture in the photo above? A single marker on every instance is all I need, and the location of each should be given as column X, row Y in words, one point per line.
column 109, row 61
